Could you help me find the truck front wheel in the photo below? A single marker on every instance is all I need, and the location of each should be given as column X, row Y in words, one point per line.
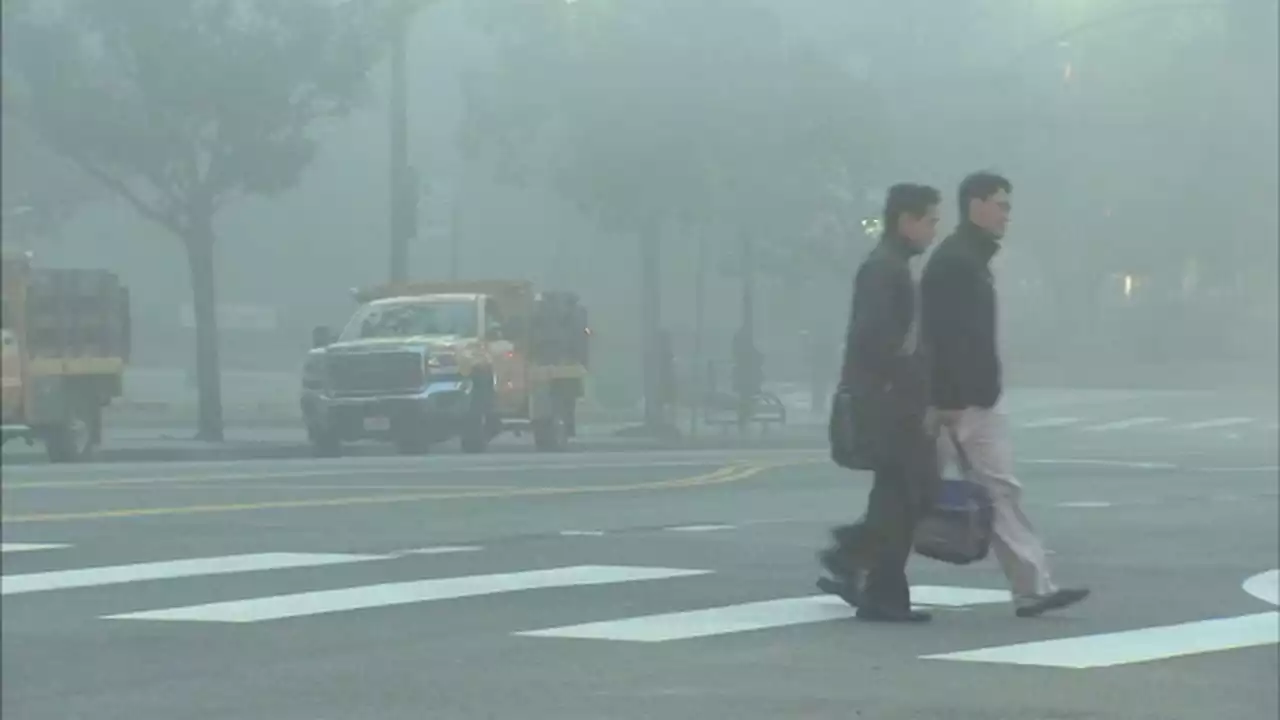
column 477, row 424
column 74, row 439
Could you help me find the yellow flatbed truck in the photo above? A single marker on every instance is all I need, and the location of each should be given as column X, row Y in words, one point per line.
column 66, row 343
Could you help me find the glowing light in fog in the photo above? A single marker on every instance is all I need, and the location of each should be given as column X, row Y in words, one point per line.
column 1128, row 286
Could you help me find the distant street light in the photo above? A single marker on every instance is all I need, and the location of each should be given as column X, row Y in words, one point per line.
column 872, row 226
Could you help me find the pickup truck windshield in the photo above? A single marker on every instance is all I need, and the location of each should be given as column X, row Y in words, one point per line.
column 411, row 318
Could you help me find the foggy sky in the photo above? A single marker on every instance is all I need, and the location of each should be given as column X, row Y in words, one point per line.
column 945, row 71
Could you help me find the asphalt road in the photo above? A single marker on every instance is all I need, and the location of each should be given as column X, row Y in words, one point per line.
column 538, row 587
column 1075, row 420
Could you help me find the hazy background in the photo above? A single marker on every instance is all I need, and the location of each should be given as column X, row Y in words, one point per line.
column 1141, row 138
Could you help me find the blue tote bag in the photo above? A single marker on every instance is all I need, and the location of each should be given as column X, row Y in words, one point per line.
column 957, row 529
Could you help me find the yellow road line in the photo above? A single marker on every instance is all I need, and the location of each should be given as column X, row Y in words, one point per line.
column 337, row 471
column 237, row 487
column 727, row 474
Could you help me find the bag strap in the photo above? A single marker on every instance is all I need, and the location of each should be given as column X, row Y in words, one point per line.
column 962, row 458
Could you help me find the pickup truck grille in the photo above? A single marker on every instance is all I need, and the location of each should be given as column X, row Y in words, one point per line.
column 375, row 373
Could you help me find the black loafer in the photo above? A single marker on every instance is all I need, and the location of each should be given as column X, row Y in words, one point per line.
column 1053, row 601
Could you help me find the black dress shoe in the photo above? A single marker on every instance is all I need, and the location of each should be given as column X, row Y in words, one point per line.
column 1053, row 601
column 847, row 589
column 876, row 614
column 839, row 563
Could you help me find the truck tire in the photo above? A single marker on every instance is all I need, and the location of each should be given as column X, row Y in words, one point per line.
column 477, row 425
column 324, row 443
column 411, row 439
column 551, row 434
column 75, row 439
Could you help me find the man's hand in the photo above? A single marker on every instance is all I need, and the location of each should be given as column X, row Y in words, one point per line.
column 936, row 419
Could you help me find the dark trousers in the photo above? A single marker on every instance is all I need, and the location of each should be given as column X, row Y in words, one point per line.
column 890, row 526
column 881, row 541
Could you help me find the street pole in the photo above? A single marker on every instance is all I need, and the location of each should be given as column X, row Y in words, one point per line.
column 454, row 215
column 696, row 377
column 403, row 197
column 749, row 288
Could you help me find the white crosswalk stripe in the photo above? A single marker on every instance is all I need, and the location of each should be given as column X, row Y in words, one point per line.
column 1051, row 422
column 29, row 547
column 695, row 623
column 1218, row 423
column 689, row 624
column 754, row 616
column 1126, row 424
column 388, row 594
column 1132, row 646
column 114, row 575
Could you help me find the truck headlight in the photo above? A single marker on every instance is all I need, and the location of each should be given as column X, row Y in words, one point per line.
column 441, row 361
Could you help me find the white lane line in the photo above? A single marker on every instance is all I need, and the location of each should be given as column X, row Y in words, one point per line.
column 1084, row 504
column 1133, row 464
column 440, row 550
column 403, row 593
column 29, row 547
column 1217, row 423
column 116, row 574
column 752, row 616
column 1050, row 423
column 1126, row 424
column 581, row 533
column 698, row 528
column 1132, row 646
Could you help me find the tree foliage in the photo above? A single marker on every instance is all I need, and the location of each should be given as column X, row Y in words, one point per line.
column 40, row 190
column 668, row 111
column 672, row 116
column 180, row 107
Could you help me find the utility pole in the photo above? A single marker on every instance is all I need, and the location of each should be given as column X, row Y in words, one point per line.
column 455, row 214
column 404, row 196
column 749, row 287
column 697, row 375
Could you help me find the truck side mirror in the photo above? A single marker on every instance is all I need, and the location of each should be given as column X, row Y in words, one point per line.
column 321, row 336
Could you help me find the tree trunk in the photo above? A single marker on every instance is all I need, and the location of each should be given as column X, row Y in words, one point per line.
column 651, row 323
column 200, row 260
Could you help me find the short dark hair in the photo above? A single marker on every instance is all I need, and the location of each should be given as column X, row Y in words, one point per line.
column 981, row 186
column 908, row 198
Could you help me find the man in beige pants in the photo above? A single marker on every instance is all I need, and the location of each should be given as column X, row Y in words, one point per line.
column 958, row 304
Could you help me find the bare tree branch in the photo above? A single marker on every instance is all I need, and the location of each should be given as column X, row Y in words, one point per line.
column 121, row 188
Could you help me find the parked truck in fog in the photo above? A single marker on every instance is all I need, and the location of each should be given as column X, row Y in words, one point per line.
column 66, row 335
column 422, row 363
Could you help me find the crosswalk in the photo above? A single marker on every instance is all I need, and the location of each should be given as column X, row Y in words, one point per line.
column 141, row 582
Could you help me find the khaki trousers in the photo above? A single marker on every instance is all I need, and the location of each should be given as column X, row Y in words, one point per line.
column 984, row 435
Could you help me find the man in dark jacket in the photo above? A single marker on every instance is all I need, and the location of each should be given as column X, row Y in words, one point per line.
column 958, row 299
column 883, row 367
